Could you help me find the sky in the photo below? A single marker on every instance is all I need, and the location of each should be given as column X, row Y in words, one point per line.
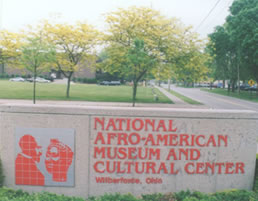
column 16, row 14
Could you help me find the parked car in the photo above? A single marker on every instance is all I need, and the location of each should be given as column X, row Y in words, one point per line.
column 244, row 87
column 110, row 83
column 104, row 83
column 38, row 79
column 115, row 83
column 220, row 85
column 17, row 79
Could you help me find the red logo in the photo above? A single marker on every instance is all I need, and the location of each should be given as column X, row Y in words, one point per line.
column 26, row 170
column 59, row 157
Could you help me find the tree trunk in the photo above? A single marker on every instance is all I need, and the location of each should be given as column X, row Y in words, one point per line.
column 2, row 68
column 228, row 87
column 224, row 83
column 233, row 86
column 257, row 87
column 134, row 92
column 68, row 85
column 34, row 85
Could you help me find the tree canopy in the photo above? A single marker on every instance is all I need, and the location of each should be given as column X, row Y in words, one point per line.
column 235, row 43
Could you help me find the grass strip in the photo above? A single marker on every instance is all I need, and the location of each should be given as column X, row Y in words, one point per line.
column 184, row 98
column 78, row 92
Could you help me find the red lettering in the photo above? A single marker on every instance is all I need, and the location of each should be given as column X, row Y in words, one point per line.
column 183, row 151
column 199, row 168
column 99, row 137
column 131, row 153
column 184, row 138
column 187, row 168
column 162, row 138
column 129, row 164
column 195, row 154
column 110, row 136
column 96, row 167
column 192, row 140
column 122, row 137
column 140, row 123
column 155, row 153
column 170, row 126
column 219, row 167
column 162, row 168
column 172, row 138
column 99, row 151
column 228, row 168
column 172, row 169
column 240, row 166
column 119, row 171
column 140, row 154
column 137, row 138
column 137, row 168
column 111, row 123
column 198, row 142
column 109, row 168
column 150, row 166
column 161, row 125
column 109, row 153
column 224, row 139
column 150, row 139
column 122, row 153
column 151, row 123
column 128, row 121
column 211, row 141
column 101, row 122
column 120, row 123
column 210, row 166
column 171, row 153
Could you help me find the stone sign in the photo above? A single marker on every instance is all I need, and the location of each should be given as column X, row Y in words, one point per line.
column 85, row 151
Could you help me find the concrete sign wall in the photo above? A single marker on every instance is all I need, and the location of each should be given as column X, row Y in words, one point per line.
column 87, row 151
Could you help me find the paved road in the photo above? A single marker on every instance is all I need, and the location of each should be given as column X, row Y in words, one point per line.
column 215, row 101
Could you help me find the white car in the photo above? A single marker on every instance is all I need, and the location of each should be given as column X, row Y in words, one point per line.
column 17, row 79
column 42, row 80
column 38, row 79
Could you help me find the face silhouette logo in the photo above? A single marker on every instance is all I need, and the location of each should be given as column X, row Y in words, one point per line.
column 26, row 170
column 59, row 158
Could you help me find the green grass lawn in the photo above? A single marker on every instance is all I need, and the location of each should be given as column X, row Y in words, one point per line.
column 246, row 95
column 78, row 92
column 184, row 98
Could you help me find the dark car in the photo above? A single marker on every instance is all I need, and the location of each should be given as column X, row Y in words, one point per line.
column 244, row 87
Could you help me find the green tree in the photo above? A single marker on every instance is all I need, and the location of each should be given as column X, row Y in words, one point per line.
column 139, row 63
column 74, row 44
column 242, row 26
column 9, row 45
column 144, row 31
column 35, row 55
column 235, row 43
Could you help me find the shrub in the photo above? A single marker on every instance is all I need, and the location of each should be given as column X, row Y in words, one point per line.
column 159, row 197
column 115, row 197
column 1, row 175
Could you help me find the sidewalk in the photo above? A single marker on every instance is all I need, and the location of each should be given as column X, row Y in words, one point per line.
column 173, row 98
